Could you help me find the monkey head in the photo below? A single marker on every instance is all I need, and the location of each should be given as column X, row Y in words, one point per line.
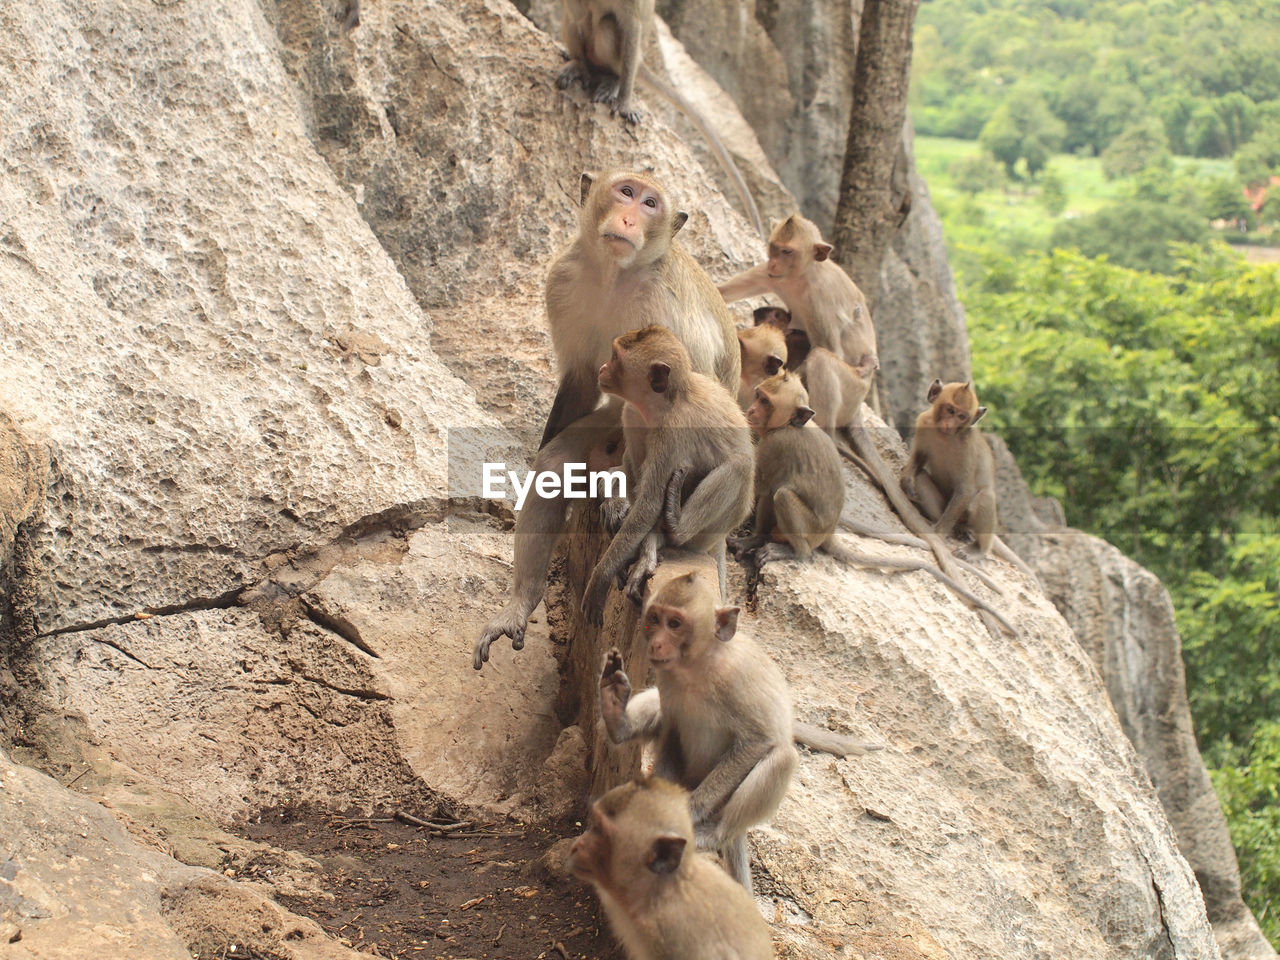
column 629, row 216
column 772, row 316
column 780, row 401
column 794, row 244
column 763, row 351
column 636, row 834
column 646, row 368
column 683, row 622
column 955, row 407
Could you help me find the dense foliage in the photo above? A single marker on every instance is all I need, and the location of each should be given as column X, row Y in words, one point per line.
column 1150, row 405
column 1077, row 75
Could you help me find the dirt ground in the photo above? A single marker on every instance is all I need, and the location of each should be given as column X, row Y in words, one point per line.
column 459, row 890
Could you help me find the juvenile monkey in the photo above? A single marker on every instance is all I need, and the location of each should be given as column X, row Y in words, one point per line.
column 689, row 454
column 763, row 353
column 605, row 40
column 836, row 389
column 797, row 340
column 800, row 489
column 663, row 898
column 950, row 471
column 720, row 712
column 623, row 270
column 823, row 301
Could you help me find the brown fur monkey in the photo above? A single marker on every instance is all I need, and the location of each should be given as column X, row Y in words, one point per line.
column 624, row 269
column 821, row 298
column 664, row 899
column 950, row 471
column 720, row 712
column 763, row 353
column 605, row 40
column 800, row 490
column 836, row 389
column 797, row 341
column 688, row 453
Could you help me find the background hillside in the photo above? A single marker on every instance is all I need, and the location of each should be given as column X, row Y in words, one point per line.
column 1138, row 388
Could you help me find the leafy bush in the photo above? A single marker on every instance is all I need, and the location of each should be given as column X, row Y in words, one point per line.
column 1133, row 233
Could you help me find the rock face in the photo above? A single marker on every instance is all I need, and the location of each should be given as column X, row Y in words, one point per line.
column 270, row 294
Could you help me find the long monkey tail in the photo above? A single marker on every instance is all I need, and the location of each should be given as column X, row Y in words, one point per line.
column 713, row 141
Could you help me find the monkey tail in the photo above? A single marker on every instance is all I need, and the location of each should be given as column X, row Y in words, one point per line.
column 828, row 741
column 713, row 141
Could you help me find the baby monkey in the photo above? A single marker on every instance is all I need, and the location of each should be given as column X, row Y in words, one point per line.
column 721, row 714
column 764, row 353
column 663, row 899
column 950, row 471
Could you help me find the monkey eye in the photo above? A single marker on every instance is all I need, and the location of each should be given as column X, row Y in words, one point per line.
column 611, row 446
column 787, row 253
column 674, row 623
column 627, row 191
column 650, row 202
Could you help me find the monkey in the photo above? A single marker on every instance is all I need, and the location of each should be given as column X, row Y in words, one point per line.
column 664, row 899
column 773, row 316
column 950, row 471
column 836, row 389
column 800, row 490
column 623, row 270
column 763, row 353
column 797, row 341
column 821, row 298
column 720, row 712
column 688, row 447
column 605, row 40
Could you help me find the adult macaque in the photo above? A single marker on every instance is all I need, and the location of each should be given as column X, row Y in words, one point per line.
column 950, row 471
column 720, row 712
column 821, row 298
column 763, row 353
column 689, row 454
column 605, row 40
column 623, row 270
column 800, row 489
column 664, row 899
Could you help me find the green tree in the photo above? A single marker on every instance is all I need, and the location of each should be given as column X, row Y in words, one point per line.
column 1053, row 193
column 1222, row 198
column 1140, row 146
column 1022, row 128
column 976, row 173
column 1133, row 233
column 1207, row 134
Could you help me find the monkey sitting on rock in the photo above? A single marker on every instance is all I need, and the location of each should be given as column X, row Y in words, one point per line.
column 950, row 472
column 720, row 712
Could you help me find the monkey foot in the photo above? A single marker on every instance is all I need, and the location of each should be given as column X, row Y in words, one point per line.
column 607, row 91
column 628, row 113
column 641, row 571
column 773, row 551
column 575, row 72
column 742, row 547
column 503, row 625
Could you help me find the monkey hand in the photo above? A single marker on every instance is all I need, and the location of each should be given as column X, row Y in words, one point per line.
column 594, row 597
column 615, row 685
column 612, row 512
column 742, row 547
column 607, row 90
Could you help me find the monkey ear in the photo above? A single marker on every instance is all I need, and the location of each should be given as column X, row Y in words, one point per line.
column 772, row 365
column 584, row 186
column 678, row 221
column 822, row 250
column 802, row 416
column 935, row 388
column 726, row 623
column 982, row 412
column 666, row 853
column 659, row 377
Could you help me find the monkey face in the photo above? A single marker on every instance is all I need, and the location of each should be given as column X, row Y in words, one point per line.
column 955, row 408
column 590, row 853
column 668, row 629
column 783, row 262
column 633, row 211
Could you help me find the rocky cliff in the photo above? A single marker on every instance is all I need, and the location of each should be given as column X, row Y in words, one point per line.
column 266, row 288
